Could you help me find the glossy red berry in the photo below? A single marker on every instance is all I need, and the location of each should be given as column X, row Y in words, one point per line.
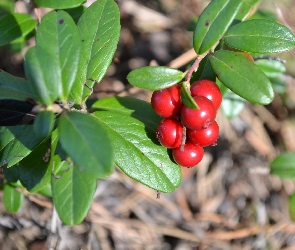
column 169, row 133
column 208, row 89
column 197, row 119
column 167, row 102
column 191, row 155
column 204, row 137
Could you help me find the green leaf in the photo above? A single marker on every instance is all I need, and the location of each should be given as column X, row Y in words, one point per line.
column 246, row 8
column 13, row 26
column 12, row 87
column 72, row 195
column 46, row 191
column 154, row 77
column 17, row 45
column 204, row 71
column 58, row 166
column 16, row 142
column 12, row 173
column 213, row 23
column 12, row 199
column 187, row 98
column 192, row 24
column 279, row 84
column 264, row 14
column 99, row 29
column 271, row 68
column 129, row 106
column 292, row 206
column 43, row 124
column 76, row 13
column 138, row 154
column 13, row 112
column 6, row 7
column 57, row 4
column 232, row 105
column 242, row 76
column 260, row 36
column 59, row 35
column 34, row 170
column 86, row 141
column 42, row 71
column 284, row 165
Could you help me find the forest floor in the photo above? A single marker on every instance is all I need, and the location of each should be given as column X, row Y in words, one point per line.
column 229, row 201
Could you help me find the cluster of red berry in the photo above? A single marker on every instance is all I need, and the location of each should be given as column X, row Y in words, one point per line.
column 184, row 130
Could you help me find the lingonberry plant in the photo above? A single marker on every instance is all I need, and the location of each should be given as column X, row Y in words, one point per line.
column 53, row 143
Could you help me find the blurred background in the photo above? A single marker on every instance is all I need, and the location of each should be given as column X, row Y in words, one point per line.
column 229, row 201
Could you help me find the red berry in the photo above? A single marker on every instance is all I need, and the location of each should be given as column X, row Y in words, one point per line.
column 169, row 133
column 204, row 137
column 197, row 119
column 167, row 102
column 208, row 89
column 191, row 155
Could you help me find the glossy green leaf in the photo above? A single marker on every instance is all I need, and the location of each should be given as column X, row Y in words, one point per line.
column 13, row 26
column 72, row 195
column 12, row 87
column 6, row 7
column 284, row 165
column 58, row 166
column 187, row 98
column 57, row 4
column 13, row 112
column 129, row 106
column 43, row 124
column 17, row 45
column 213, row 23
column 247, row 7
column 99, row 29
column 292, row 206
column 12, row 174
column 12, row 199
column 232, row 105
column 86, row 141
column 17, row 184
column 192, row 24
column 138, row 154
column 154, row 77
column 279, row 84
column 264, row 14
column 204, row 71
column 76, row 13
column 271, row 68
column 59, row 35
column 46, row 191
column 260, row 36
column 34, row 170
column 16, row 142
column 42, row 71
column 242, row 76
